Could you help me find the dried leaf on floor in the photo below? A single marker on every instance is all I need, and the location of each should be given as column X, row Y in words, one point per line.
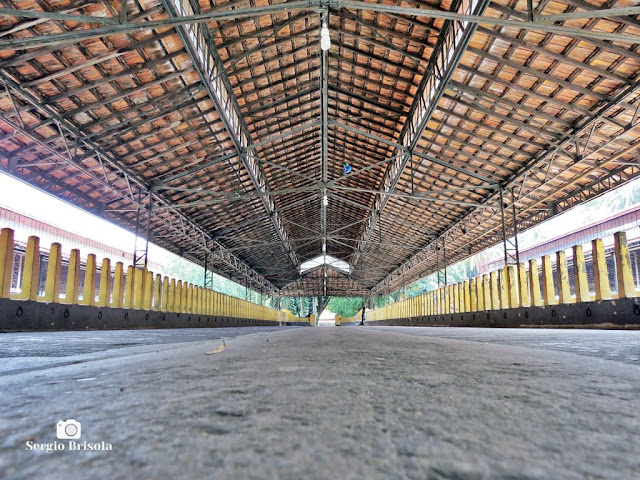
column 217, row 350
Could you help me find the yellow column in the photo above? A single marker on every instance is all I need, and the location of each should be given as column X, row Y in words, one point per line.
column 495, row 295
column 512, row 286
column 312, row 320
column 456, row 298
column 73, row 278
column 54, row 274
column 487, row 292
column 548, row 287
column 171, row 296
column 600, row 271
column 189, row 305
column 467, row 296
column 148, row 290
column 118, row 285
column 157, row 292
column 196, row 300
column 138, row 288
column 177, row 301
column 89, row 290
column 30, row 271
column 461, row 296
column 503, row 285
column 474, row 294
column 6, row 261
column 626, row 287
column 104, row 292
column 128, row 289
column 480, row 294
column 184, row 300
column 581, row 281
column 337, row 320
column 447, row 299
column 523, row 290
column 564, row 290
column 534, row 283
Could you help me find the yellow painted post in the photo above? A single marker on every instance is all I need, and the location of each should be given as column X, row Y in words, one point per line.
column 564, row 290
column 73, row 278
column 89, row 290
column 523, row 290
column 54, row 274
column 312, row 320
column 512, row 286
column 184, row 301
column 194, row 299
column 626, row 287
column 548, row 287
column 6, row 261
column 177, row 301
column 171, row 296
column 479, row 294
column 581, row 281
column 31, row 271
column 447, row 299
column 337, row 320
column 534, row 283
column 600, row 271
column 104, row 292
column 128, row 288
column 158, row 289
column 456, row 298
column 118, row 285
column 487, row 292
column 473, row 284
column 495, row 295
column 147, row 296
column 138, row 288
column 188, row 304
column 467, row 296
column 503, row 287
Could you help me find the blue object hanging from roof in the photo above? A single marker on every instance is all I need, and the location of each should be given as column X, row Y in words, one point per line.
column 346, row 168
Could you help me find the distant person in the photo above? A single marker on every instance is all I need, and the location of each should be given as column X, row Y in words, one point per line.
column 363, row 315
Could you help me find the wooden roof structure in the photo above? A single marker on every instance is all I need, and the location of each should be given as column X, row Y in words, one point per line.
column 221, row 127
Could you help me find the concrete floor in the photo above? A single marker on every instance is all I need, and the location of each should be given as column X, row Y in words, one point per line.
column 357, row 402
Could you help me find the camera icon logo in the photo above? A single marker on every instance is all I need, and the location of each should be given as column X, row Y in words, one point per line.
column 68, row 429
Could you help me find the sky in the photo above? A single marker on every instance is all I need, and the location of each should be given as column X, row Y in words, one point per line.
column 23, row 198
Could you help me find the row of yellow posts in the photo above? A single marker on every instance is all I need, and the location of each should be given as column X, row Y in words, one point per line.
column 514, row 287
column 137, row 289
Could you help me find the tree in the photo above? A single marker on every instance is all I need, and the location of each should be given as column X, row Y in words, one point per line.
column 345, row 306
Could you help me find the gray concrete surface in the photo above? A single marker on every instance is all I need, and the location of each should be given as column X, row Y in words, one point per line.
column 619, row 345
column 326, row 403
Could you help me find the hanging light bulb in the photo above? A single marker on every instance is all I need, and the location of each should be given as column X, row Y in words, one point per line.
column 325, row 200
column 325, row 39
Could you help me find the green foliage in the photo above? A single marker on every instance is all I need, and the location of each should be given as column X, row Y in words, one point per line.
column 345, row 306
column 299, row 306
